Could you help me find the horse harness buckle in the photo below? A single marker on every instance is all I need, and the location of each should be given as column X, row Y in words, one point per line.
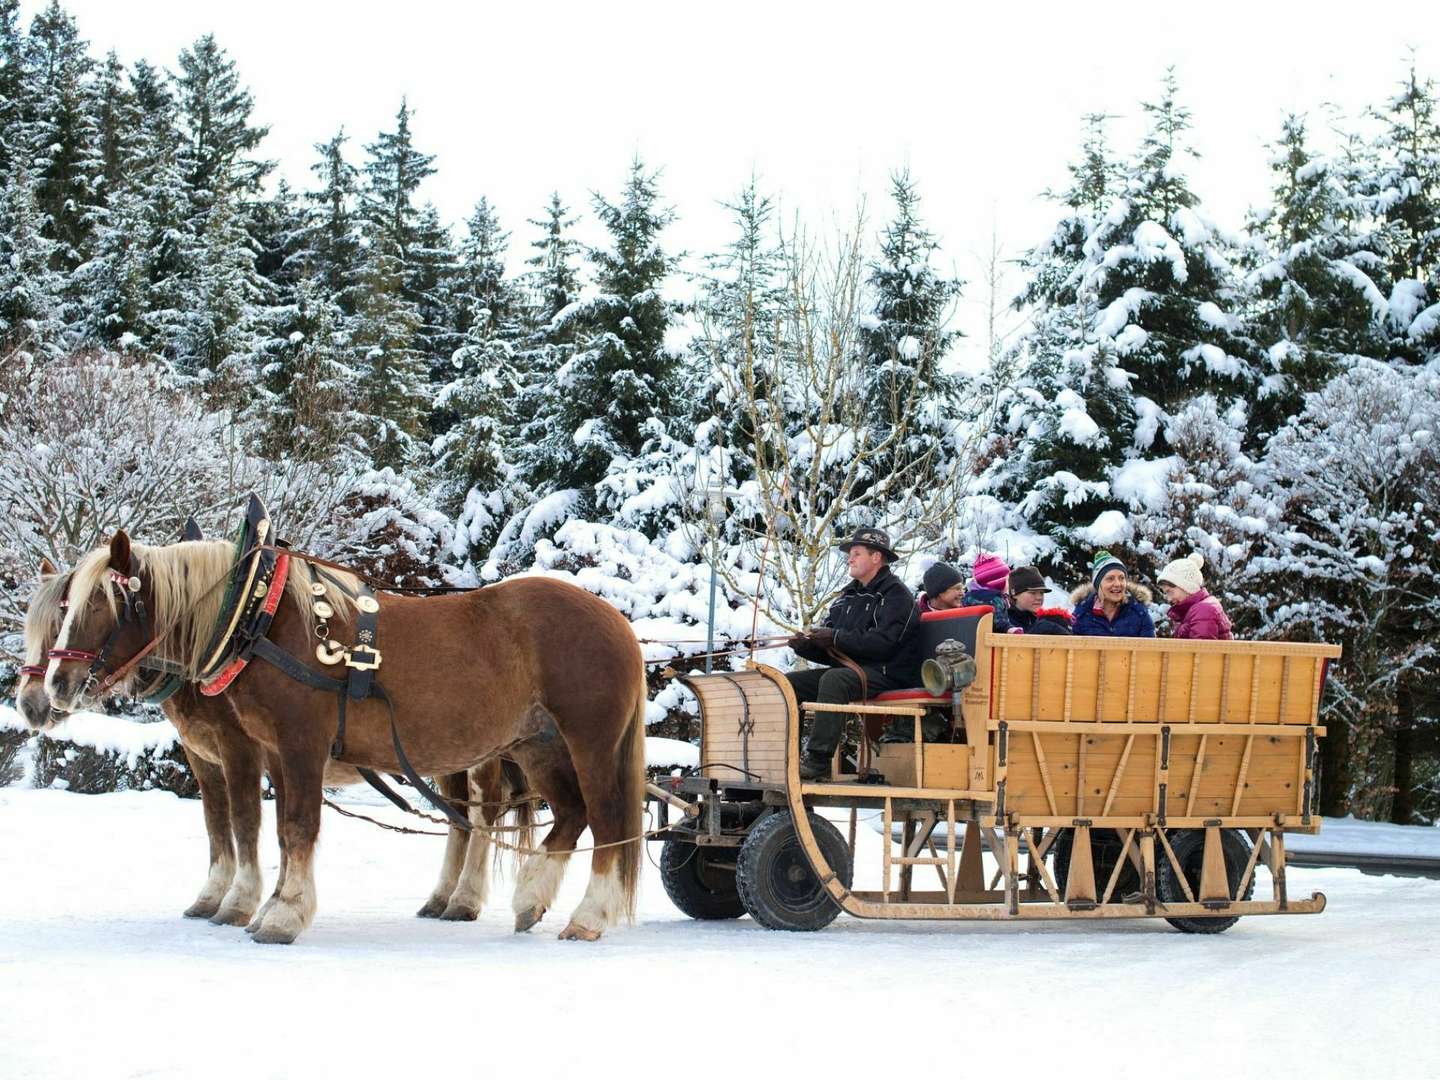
column 359, row 663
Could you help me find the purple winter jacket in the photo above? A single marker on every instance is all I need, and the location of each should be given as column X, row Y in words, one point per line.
column 1200, row 616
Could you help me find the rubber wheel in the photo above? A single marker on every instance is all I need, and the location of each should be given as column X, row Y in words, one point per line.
column 777, row 885
column 698, row 883
column 1189, row 848
column 1105, row 847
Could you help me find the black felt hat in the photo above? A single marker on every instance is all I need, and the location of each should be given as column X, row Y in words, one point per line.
column 878, row 539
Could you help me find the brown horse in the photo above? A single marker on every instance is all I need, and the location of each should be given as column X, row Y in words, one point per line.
column 511, row 669
column 226, row 765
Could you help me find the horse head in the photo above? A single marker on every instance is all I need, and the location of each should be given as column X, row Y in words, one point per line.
column 43, row 616
column 107, row 624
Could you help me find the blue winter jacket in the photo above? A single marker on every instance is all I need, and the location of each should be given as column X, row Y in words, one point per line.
column 977, row 595
column 1132, row 620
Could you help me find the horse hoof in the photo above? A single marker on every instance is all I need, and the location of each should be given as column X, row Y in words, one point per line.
column 270, row 936
column 232, row 917
column 252, row 926
column 460, row 913
column 576, row 932
column 433, row 909
column 202, row 909
column 524, row 920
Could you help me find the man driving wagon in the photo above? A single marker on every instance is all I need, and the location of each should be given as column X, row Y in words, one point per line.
column 869, row 643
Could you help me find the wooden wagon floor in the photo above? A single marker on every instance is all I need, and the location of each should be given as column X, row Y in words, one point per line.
column 100, row 977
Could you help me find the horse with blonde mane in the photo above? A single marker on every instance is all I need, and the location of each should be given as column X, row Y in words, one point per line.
column 226, row 764
column 512, row 669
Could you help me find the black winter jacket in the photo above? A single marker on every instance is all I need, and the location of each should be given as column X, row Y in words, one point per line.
column 877, row 626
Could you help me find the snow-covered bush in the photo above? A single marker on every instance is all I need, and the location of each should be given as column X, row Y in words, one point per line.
column 93, row 754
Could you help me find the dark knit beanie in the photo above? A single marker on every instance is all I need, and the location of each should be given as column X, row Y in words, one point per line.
column 939, row 577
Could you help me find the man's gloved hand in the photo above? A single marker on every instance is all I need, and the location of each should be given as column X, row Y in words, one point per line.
column 797, row 641
column 822, row 637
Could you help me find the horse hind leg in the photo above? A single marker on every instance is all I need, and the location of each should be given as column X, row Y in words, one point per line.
column 215, row 803
column 486, row 784
column 453, row 786
column 541, row 874
column 612, row 783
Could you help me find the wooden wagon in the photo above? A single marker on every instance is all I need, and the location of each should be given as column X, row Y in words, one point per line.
column 1107, row 777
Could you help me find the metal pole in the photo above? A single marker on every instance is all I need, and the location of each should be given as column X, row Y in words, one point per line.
column 710, row 623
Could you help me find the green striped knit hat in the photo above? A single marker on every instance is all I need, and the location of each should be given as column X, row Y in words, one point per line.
column 1101, row 565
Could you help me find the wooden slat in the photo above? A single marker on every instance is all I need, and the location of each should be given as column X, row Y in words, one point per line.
column 1284, row 689
column 1119, row 772
column 1240, row 778
column 1044, row 772
column 1069, row 683
column 1195, row 776
column 1080, row 778
column 1130, row 694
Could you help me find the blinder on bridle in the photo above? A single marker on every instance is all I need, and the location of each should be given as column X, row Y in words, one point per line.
column 132, row 612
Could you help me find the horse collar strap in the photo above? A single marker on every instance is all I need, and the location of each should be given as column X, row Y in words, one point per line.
column 257, row 625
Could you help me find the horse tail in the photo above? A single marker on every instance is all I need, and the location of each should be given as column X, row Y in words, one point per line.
column 632, row 796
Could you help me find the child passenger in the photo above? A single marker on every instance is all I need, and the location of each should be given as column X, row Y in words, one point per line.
column 1194, row 613
column 987, row 586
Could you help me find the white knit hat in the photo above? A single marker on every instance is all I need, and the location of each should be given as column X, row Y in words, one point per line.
column 1185, row 573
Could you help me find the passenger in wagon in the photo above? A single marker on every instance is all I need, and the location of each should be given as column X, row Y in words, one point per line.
column 1027, row 614
column 875, row 623
column 1111, row 605
column 944, row 588
column 1194, row 613
column 987, row 586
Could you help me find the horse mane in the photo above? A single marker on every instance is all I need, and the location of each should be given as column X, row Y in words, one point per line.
column 44, row 614
column 188, row 583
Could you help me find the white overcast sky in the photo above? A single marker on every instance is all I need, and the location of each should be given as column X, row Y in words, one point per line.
column 820, row 100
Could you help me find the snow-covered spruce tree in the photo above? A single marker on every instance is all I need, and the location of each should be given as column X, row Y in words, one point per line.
column 1063, row 405
column 307, row 410
column 13, row 83
column 1356, row 561
column 31, row 318
column 429, row 285
column 1407, row 197
column 475, row 451
column 213, row 113
column 1162, row 277
column 391, row 377
column 57, row 129
column 159, row 182
column 549, row 288
column 904, row 338
column 332, row 249
column 622, row 375
column 1314, row 273
column 111, row 154
column 1208, row 496
column 393, row 374
column 740, row 309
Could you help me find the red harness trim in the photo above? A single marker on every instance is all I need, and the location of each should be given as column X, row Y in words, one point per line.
column 35, row 671
column 221, row 682
column 71, row 654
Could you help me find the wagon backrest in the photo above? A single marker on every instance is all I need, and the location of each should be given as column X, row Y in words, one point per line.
column 743, row 717
column 962, row 624
column 1187, row 730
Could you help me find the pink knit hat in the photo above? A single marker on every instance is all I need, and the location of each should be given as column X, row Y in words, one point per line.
column 991, row 572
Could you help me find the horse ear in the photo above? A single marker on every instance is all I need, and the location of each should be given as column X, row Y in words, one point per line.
column 120, row 552
column 47, row 568
column 192, row 530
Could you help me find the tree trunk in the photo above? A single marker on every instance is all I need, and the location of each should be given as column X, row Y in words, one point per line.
column 1402, row 808
column 1334, row 766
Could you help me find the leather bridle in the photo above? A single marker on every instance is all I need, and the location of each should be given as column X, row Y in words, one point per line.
column 132, row 612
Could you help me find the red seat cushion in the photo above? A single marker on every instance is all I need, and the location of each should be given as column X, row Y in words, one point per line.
column 918, row 694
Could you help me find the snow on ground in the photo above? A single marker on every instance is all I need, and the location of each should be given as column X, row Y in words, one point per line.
column 99, row 976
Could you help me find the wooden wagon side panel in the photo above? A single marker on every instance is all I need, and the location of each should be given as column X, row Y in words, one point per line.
column 1082, row 775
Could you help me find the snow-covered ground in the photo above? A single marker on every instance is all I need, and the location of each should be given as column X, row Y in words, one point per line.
column 100, row 977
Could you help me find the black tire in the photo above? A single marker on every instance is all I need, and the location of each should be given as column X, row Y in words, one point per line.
column 777, row 884
column 1189, row 848
column 698, row 883
column 1105, row 847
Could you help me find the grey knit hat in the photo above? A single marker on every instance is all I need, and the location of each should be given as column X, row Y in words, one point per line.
column 939, row 577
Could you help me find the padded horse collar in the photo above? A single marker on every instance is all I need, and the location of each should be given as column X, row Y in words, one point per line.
column 257, row 582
